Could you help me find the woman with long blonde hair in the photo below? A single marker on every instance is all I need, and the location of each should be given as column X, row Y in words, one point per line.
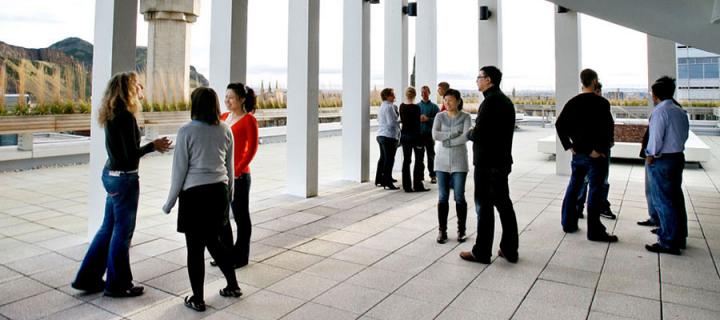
column 109, row 248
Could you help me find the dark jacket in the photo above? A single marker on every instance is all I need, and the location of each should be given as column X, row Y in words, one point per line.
column 410, row 120
column 493, row 133
column 586, row 124
column 122, row 141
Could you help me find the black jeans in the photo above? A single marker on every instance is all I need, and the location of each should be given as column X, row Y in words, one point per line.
column 429, row 144
column 410, row 146
column 491, row 191
column 241, row 214
column 211, row 202
column 388, row 148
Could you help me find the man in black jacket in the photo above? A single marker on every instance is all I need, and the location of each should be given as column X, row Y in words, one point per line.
column 492, row 156
column 586, row 128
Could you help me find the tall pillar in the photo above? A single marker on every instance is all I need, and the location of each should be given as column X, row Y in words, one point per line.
column 396, row 47
column 168, row 55
column 113, row 52
column 228, row 43
column 567, row 74
column 662, row 60
column 426, row 53
column 356, row 90
column 302, row 95
column 490, row 35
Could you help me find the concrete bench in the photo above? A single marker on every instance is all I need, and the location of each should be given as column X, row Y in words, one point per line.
column 695, row 149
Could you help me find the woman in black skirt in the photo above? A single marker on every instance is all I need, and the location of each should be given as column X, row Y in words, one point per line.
column 202, row 170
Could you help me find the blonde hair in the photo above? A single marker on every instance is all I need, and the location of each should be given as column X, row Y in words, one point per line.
column 121, row 92
column 410, row 93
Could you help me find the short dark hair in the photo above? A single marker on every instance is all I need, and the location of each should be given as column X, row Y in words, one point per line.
column 587, row 76
column 245, row 92
column 493, row 73
column 386, row 93
column 444, row 85
column 204, row 106
column 664, row 88
column 456, row 94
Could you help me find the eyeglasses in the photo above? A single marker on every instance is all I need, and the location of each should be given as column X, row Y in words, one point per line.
column 482, row 77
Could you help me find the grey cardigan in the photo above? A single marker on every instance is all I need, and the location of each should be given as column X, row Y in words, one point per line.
column 203, row 155
column 455, row 157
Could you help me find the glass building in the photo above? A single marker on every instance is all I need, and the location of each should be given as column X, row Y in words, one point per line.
column 698, row 74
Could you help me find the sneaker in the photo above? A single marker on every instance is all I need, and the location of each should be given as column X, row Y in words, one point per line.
column 608, row 214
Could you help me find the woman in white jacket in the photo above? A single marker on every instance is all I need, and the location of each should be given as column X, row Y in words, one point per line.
column 451, row 161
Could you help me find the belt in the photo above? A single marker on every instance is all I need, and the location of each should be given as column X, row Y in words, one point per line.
column 115, row 173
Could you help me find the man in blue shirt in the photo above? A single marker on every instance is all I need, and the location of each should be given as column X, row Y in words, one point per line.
column 669, row 129
column 428, row 110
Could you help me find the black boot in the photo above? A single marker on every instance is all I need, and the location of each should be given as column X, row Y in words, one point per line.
column 461, row 209
column 443, row 209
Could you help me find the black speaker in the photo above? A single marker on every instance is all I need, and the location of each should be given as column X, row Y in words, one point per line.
column 411, row 9
column 485, row 13
column 561, row 9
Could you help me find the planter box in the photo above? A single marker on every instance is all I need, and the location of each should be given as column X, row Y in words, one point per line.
column 49, row 123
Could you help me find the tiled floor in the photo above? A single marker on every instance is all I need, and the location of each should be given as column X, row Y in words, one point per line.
column 357, row 251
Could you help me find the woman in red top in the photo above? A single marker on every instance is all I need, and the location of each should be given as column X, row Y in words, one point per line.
column 240, row 100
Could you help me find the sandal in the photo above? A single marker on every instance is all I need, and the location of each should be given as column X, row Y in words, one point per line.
column 191, row 303
column 231, row 292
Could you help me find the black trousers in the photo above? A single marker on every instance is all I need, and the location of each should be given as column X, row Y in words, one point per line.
column 429, row 144
column 410, row 146
column 241, row 214
column 210, row 202
column 491, row 191
column 388, row 148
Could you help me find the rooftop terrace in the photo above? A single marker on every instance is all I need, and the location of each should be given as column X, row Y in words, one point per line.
column 357, row 251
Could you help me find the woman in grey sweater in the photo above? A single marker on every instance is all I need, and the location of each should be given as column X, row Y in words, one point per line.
column 201, row 172
column 451, row 161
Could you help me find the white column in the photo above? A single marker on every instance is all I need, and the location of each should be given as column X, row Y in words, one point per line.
column 228, row 43
column 662, row 60
column 356, row 90
column 426, row 46
column 396, row 47
column 302, row 119
column 490, row 35
column 567, row 74
column 113, row 52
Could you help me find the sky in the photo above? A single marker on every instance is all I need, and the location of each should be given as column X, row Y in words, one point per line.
column 617, row 53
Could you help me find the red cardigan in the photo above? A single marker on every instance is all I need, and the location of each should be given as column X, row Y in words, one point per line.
column 245, row 136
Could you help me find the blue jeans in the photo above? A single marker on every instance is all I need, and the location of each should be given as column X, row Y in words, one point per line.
column 605, row 191
column 668, row 199
column 595, row 169
column 454, row 180
column 652, row 212
column 110, row 247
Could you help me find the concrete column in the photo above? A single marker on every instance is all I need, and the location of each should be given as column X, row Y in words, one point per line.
column 396, row 47
column 168, row 55
column 490, row 35
column 356, row 90
column 426, row 46
column 302, row 95
column 228, row 43
column 567, row 74
column 113, row 52
column 662, row 60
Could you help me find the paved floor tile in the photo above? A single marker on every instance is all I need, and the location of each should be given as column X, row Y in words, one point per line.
column 319, row 312
column 404, row 308
column 334, row 269
column 379, row 279
column 293, row 260
column 302, row 286
column 490, row 302
column 39, row 306
column 83, row 311
column 20, row 288
column 626, row 306
column 351, row 298
column 265, row 305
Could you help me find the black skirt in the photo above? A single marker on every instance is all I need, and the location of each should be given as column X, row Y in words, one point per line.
column 203, row 208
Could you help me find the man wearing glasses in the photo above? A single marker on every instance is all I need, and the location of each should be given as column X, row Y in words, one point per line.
column 492, row 156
